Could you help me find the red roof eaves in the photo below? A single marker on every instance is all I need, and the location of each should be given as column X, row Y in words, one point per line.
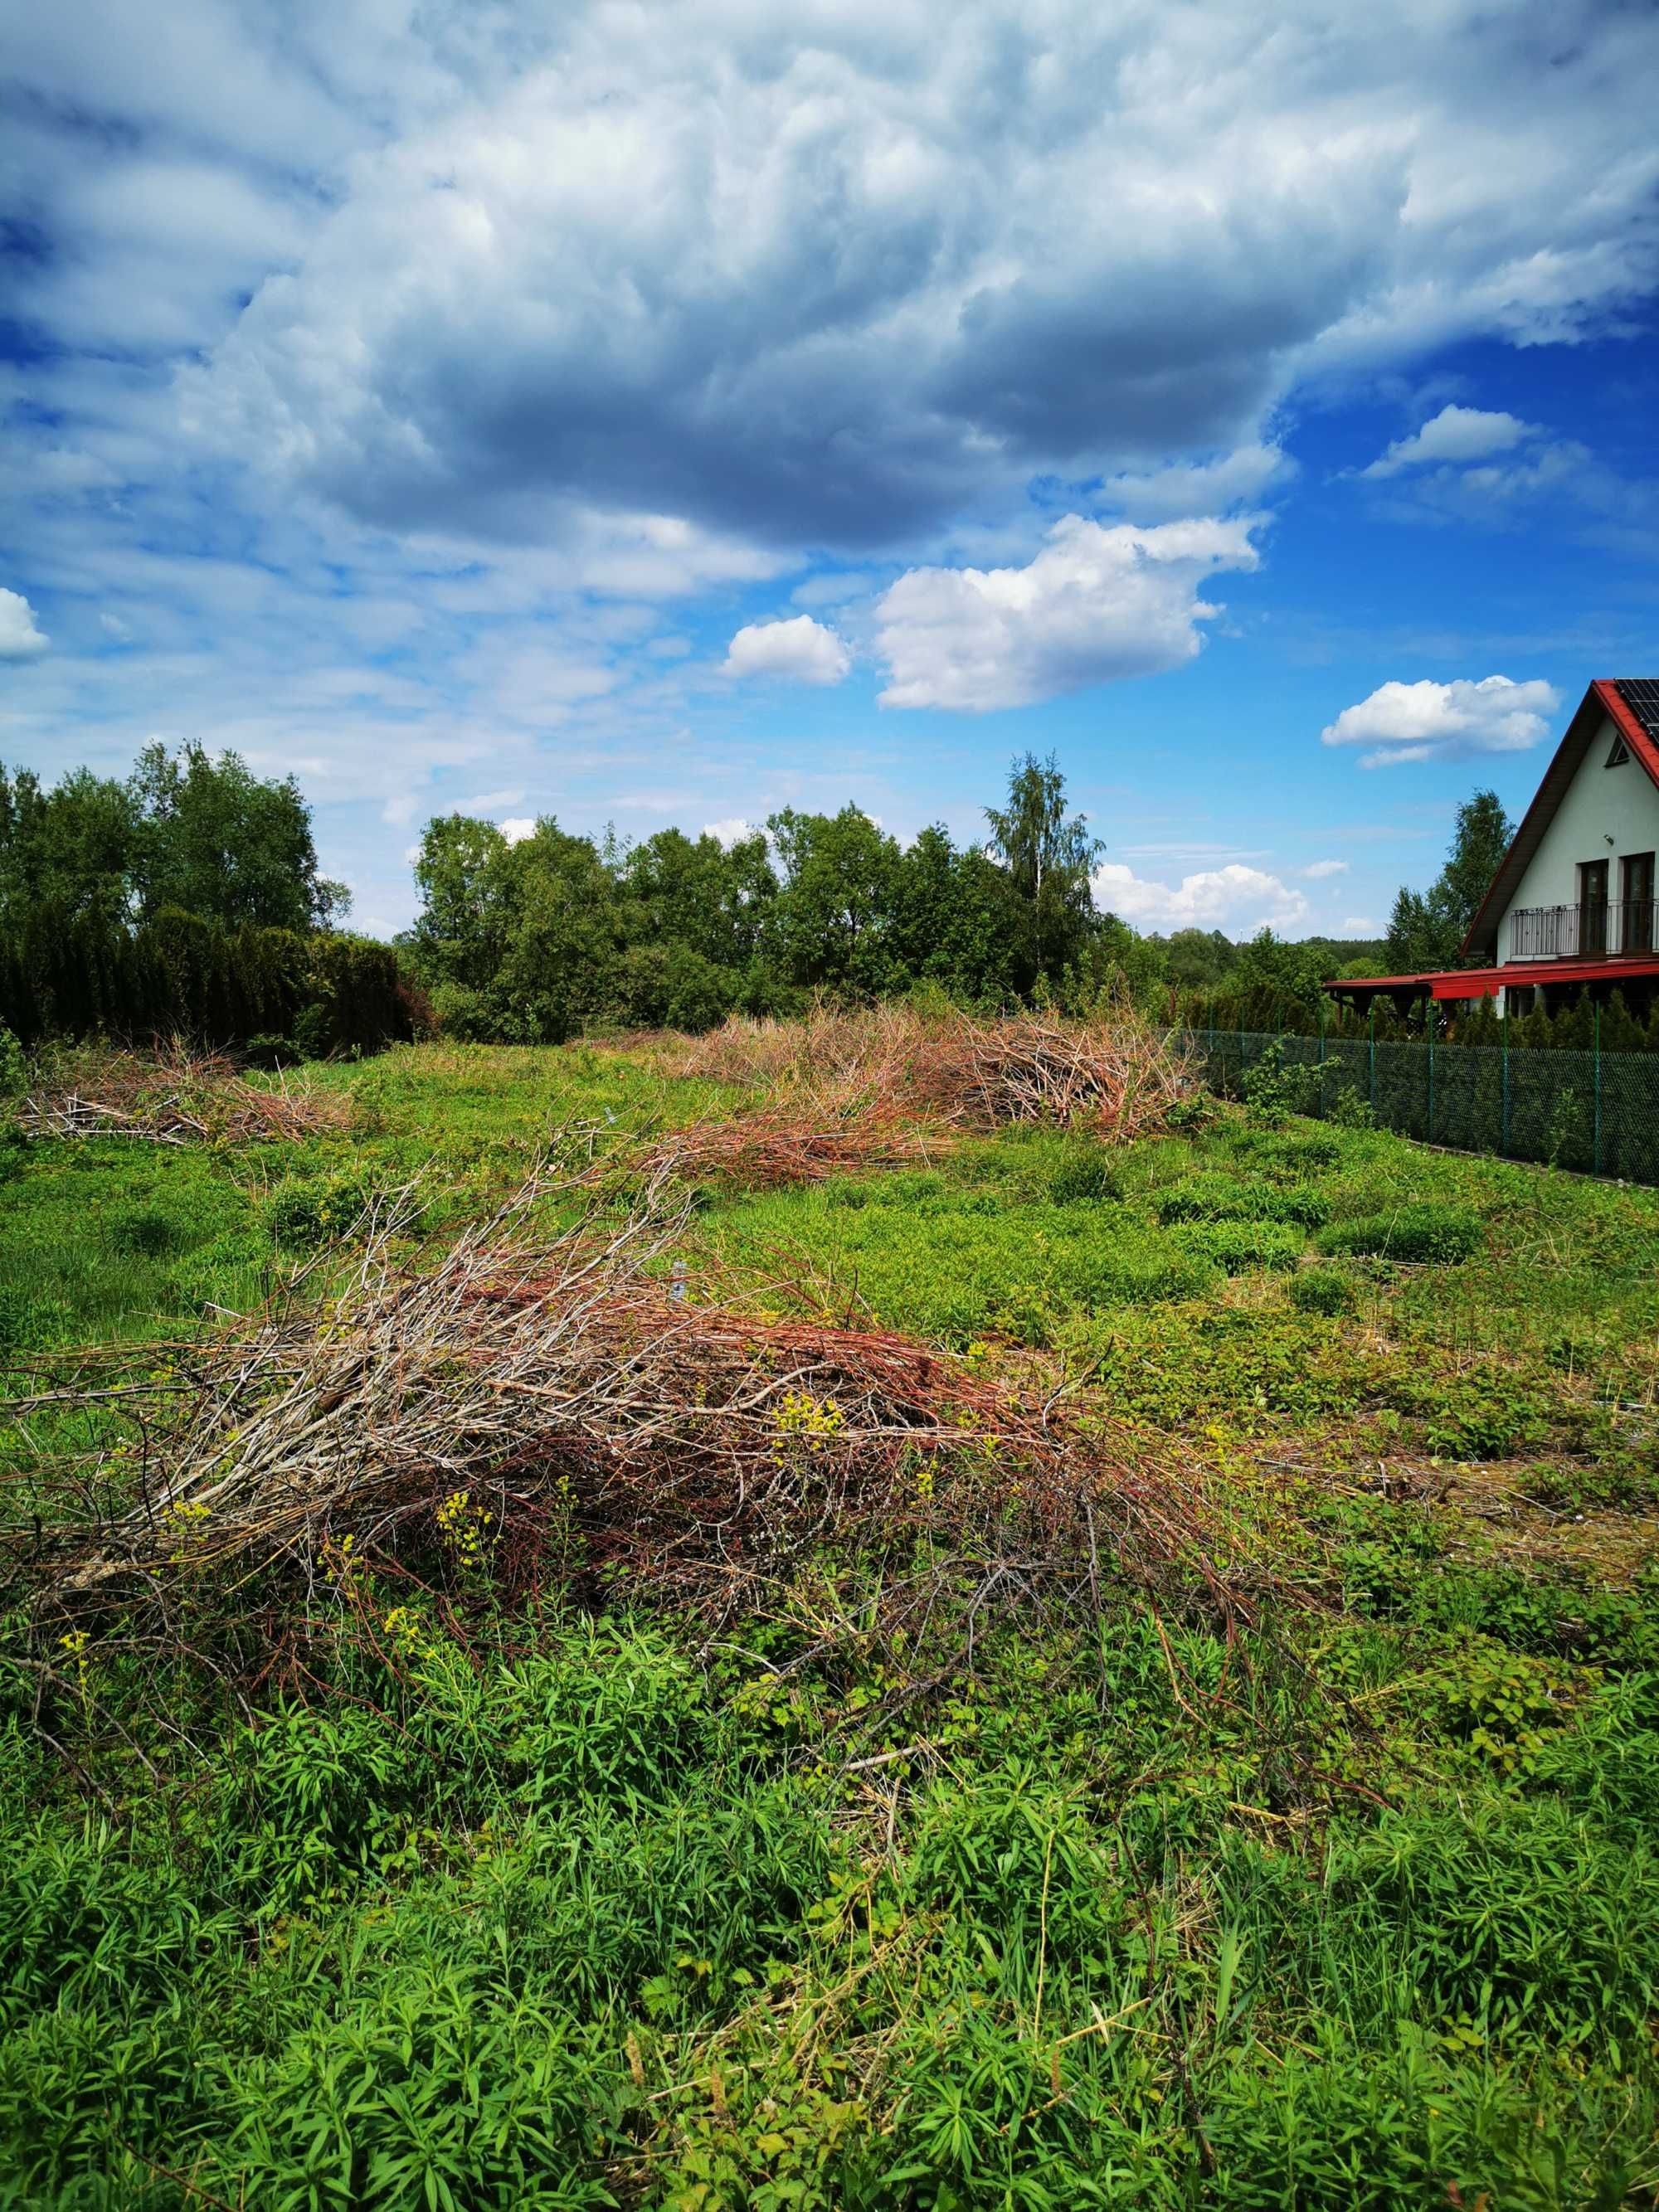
column 1511, row 971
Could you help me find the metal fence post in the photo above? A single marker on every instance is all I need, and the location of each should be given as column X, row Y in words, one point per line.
column 1504, row 1152
column 1598, row 1086
column 1430, row 1028
column 1372, row 1056
column 1321, row 1058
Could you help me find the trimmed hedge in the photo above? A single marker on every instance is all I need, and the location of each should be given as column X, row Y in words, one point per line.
column 180, row 975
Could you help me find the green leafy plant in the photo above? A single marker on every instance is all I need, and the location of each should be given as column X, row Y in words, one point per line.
column 1442, row 1235
column 143, row 1231
column 1321, row 1290
column 1084, row 1175
column 312, row 1212
column 1274, row 1089
column 1236, row 1246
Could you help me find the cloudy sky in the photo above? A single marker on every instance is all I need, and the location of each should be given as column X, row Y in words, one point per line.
column 649, row 413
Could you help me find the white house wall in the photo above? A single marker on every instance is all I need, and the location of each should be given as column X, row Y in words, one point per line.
column 1607, row 813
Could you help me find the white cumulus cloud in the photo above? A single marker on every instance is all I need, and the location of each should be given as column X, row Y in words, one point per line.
column 1455, row 435
column 1096, row 602
column 1316, row 871
column 1185, row 488
column 20, row 636
column 799, row 651
column 1445, row 721
column 1238, row 899
column 732, row 831
column 516, row 829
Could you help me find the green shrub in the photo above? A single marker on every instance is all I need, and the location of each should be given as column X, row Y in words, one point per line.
column 1085, row 1176
column 24, row 1322
column 434, row 2094
column 267, row 1050
column 1189, row 1115
column 1439, row 1234
column 1237, row 1246
column 1273, row 1090
column 1304, row 1155
column 1317, row 1290
column 304, row 1213
column 1224, row 1198
column 1349, row 1109
column 311, row 1033
column 14, row 1067
column 141, row 1232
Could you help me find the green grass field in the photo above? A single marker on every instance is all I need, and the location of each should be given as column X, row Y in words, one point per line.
column 1349, row 1900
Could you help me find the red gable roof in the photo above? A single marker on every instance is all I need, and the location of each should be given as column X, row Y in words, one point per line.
column 1604, row 700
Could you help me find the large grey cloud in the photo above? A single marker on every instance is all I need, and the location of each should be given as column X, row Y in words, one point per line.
column 841, row 274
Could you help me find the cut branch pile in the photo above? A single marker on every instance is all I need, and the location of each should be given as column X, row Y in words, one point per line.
column 1113, row 1077
column 174, row 1098
column 1111, row 1074
column 586, row 1411
column 800, row 1141
column 892, row 1087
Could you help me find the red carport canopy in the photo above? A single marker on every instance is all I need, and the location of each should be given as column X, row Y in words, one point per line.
column 1484, row 983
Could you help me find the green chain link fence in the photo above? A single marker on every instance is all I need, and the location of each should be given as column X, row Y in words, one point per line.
column 1596, row 1112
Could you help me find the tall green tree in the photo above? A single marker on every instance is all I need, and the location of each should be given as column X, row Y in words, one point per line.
column 836, row 907
column 1482, row 835
column 460, row 936
column 219, row 842
column 718, row 900
column 959, row 922
column 1049, row 856
column 1426, row 929
column 69, row 852
column 516, row 943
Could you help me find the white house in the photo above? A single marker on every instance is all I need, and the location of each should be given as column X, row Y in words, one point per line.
column 1571, row 905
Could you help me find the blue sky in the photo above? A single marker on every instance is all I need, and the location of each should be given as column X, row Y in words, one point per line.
column 665, row 414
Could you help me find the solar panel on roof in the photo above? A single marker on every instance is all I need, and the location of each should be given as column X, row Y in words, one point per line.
column 1641, row 694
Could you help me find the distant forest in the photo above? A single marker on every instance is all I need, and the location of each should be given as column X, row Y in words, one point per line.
column 188, row 898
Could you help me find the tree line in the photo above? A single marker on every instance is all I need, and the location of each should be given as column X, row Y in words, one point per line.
column 537, row 940
column 188, row 897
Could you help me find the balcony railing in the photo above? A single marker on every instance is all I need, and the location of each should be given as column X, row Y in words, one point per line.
column 1597, row 929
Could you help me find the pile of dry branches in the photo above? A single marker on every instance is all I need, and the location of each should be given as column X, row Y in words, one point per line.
column 1111, row 1073
column 173, row 1097
column 799, row 1139
column 569, row 1410
column 891, row 1086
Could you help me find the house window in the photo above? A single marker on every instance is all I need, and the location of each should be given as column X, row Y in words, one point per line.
column 1619, row 755
column 1592, row 906
column 1636, row 903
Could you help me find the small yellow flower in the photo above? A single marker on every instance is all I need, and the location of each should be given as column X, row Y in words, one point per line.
column 74, row 1643
column 406, row 1631
column 184, row 1522
column 806, row 1423
column 464, row 1528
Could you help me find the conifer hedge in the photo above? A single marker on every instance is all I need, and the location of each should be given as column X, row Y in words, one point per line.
column 179, row 975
